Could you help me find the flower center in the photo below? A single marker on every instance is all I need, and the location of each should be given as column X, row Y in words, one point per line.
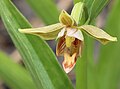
column 69, row 40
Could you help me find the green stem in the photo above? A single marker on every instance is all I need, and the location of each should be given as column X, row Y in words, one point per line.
column 81, row 73
column 81, row 70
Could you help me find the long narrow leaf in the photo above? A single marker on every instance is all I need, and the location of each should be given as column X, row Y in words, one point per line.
column 38, row 57
column 109, row 61
column 14, row 75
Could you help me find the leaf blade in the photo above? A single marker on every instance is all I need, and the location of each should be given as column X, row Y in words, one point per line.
column 108, row 66
column 11, row 72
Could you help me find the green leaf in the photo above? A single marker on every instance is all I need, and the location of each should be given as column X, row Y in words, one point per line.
column 109, row 60
column 14, row 75
column 45, row 9
column 97, row 7
column 38, row 57
column 94, row 7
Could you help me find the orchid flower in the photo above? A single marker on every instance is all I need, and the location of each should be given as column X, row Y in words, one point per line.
column 70, row 37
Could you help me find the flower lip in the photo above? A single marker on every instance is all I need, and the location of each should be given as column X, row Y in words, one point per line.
column 70, row 53
column 69, row 62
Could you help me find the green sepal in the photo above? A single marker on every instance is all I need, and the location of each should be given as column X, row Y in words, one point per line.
column 66, row 19
column 97, row 33
column 79, row 13
column 47, row 33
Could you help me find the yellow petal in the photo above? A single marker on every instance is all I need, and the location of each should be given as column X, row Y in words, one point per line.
column 66, row 19
column 69, row 62
column 48, row 32
column 98, row 33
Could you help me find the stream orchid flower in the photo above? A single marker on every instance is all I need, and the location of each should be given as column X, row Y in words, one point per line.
column 70, row 38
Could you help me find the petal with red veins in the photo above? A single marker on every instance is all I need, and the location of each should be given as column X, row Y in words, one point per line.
column 60, row 46
column 77, row 46
column 70, row 55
